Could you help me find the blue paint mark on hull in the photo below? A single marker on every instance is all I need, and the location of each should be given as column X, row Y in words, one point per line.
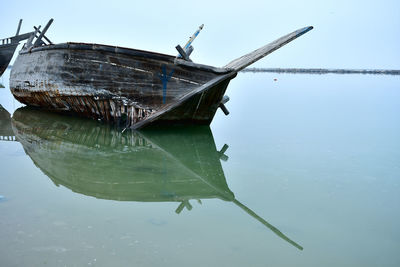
column 164, row 79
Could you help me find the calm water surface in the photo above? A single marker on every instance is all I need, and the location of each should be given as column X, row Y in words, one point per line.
column 305, row 171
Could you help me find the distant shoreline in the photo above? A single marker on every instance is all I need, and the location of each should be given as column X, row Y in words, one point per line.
column 317, row 71
column 322, row 71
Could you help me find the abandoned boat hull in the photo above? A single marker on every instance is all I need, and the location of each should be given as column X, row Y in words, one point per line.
column 129, row 87
column 114, row 84
column 6, row 54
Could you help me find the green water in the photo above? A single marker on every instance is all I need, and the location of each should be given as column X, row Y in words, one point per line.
column 305, row 171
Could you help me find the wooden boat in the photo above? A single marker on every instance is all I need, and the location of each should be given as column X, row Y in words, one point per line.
column 129, row 87
column 6, row 132
column 8, row 46
column 157, row 165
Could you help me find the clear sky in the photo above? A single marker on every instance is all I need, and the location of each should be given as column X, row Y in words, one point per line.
column 347, row 34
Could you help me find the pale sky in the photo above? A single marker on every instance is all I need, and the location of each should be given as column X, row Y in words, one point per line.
column 347, row 34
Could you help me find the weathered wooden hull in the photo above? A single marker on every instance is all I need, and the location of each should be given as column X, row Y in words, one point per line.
column 6, row 54
column 132, row 88
column 120, row 85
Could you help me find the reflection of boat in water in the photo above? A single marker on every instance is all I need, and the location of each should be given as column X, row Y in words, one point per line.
column 6, row 132
column 152, row 166
column 96, row 160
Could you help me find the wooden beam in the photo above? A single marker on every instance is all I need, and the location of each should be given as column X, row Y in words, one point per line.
column 182, row 53
column 38, row 31
column 19, row 27
column 39, row 39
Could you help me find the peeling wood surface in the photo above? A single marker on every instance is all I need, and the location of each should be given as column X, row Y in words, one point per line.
column 198, row 106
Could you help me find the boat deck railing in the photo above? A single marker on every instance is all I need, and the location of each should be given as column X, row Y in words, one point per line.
column 7, row 138
column 6, row 41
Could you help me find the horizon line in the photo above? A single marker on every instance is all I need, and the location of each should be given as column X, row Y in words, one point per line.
column 323, row 71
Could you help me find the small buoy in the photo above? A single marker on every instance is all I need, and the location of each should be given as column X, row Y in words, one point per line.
column 275, row 79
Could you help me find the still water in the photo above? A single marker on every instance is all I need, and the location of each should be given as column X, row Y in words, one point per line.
column 305, row 171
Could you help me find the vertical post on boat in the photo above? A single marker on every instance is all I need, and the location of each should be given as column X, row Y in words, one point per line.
column 19, row 27
column 191, row 39
column 29, row 42
column 188, row 48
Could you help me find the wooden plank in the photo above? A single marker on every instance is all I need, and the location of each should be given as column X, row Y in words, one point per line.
column 248, row 59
